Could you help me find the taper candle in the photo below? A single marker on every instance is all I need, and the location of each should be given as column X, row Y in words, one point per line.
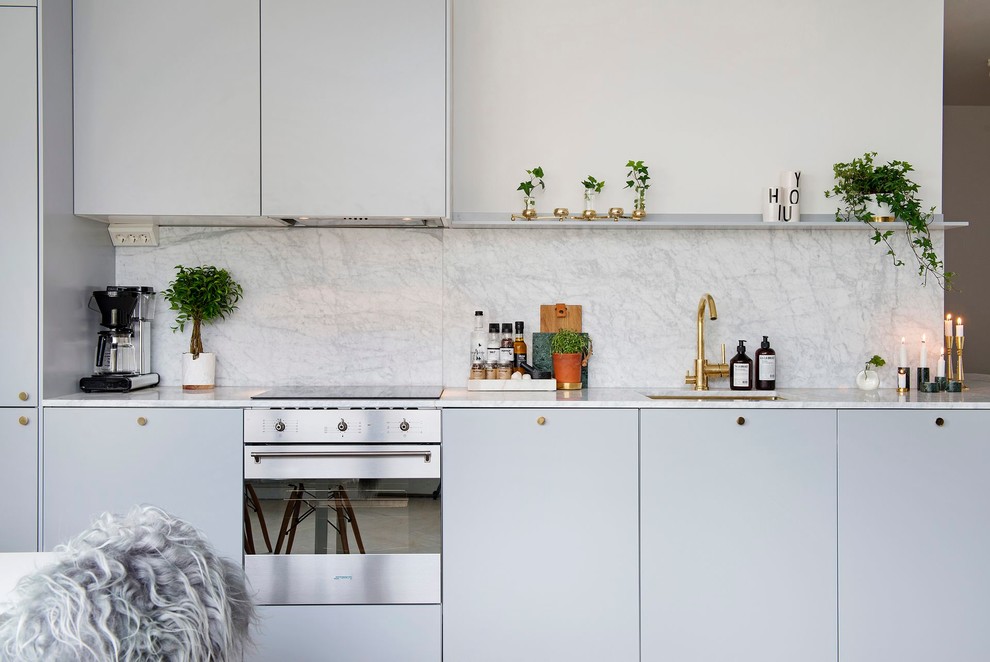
column 948, row 324
column 940, row 366
column 959, row 327
column 903, row 361
column 923, row 363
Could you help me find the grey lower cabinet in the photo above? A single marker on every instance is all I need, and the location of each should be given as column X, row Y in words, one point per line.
column 540, row 535
column 19, row 478
column 357, row 633
column 914, row 536
column 738, row 535
column 185, row 461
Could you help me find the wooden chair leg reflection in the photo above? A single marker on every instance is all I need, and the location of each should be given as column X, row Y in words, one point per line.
column 251, row 502
column 344, row 506
column 337, row 500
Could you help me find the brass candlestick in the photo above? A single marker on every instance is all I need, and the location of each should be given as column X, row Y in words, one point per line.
column 959, row 350
column 948, row 358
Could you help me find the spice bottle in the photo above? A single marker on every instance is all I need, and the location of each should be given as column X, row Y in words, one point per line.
column 519, row 350
column 493, row 348
column 505, row 354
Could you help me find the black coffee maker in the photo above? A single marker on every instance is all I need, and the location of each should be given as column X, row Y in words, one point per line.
column 122, row 361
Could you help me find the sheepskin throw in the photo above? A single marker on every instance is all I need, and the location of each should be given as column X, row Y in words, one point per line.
column 142, row 587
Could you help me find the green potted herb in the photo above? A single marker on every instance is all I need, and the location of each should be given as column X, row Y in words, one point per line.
column 527, row 186
column 570, row 352
column 869, row 379
column 201, row 295
column 867, row 189
column 638, row 180
column 592, row 187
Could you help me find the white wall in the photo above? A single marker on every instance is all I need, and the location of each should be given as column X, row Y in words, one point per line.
column 967, row 168
column 716, row 96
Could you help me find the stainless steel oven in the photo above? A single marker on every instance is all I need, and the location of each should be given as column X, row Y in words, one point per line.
column 342, row 506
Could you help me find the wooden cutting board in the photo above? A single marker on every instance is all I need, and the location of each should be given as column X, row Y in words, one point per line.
column 557, row 316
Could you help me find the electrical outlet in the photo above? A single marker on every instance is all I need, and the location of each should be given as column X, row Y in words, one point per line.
column 133, row 234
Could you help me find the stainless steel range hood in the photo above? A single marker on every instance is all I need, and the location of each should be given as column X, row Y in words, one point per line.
column 361, row 222
column 276, row 221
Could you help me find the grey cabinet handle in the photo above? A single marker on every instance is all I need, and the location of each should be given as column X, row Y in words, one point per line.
column 740, row 421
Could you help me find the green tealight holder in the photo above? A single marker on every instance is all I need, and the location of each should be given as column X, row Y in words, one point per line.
column 929, row 387
column 943, row 383
column 923, row 378
column 954, row 387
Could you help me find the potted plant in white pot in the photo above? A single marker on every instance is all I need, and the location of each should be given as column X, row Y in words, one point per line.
column 201, row 295
column 569, row 351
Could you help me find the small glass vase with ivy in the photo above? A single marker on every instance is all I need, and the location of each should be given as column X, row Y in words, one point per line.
column 638, row 179
column 527, row 186
column 862, row 185
column 592, row 187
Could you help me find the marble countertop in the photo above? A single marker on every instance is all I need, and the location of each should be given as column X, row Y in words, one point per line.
column 976, row 397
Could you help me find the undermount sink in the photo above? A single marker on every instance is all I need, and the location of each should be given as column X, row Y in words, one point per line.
column 685, row 394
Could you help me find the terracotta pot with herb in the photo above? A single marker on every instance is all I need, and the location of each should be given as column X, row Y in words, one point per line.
column 570, row 352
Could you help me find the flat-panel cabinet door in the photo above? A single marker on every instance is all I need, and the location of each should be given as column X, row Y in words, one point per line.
column 186, row 461
column 738, row 535
column 540, row 544
column 914, row 535
column 362, row 633
column 166, row 107
column 354, row 107
column 19, row 478
column 19, row 206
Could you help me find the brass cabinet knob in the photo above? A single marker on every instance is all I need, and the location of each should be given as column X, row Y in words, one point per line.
column 23, row 420
column 541, row 420
column 740, row 421
column 22, row 396
column 142, row 420
column 940, row 421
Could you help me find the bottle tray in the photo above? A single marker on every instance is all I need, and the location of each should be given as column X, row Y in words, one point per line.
column 512, row 385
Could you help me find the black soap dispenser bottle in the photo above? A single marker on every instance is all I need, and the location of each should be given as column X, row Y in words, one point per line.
column 741, row 370
column 766, row 367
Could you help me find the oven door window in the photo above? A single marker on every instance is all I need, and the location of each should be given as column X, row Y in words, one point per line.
column 342, row 516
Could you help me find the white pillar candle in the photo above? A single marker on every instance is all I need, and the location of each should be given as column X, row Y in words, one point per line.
column 959, row 327
column 923, row 363
column 940, row 366
column 948, row 324
column 903, row 362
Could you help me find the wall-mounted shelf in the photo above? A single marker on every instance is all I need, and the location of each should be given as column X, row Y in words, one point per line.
column 498, row 220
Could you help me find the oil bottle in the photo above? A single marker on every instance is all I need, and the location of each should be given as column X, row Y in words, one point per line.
column 741, row 369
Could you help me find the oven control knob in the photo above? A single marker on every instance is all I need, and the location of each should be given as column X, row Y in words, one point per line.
column 404, row 425
column 279, row 426
column 342, row 426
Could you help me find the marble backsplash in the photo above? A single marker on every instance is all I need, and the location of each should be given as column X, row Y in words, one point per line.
column 395, row 306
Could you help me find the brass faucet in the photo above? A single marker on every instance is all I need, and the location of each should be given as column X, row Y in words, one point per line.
column 702, row 368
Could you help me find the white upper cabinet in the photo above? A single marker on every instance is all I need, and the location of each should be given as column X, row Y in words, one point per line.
column 166, row 107
column 354, row 107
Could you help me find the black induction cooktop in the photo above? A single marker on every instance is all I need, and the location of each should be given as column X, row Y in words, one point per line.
column 351, row 393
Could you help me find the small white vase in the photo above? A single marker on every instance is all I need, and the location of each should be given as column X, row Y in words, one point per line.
column 868, row 380
column 200, row 373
